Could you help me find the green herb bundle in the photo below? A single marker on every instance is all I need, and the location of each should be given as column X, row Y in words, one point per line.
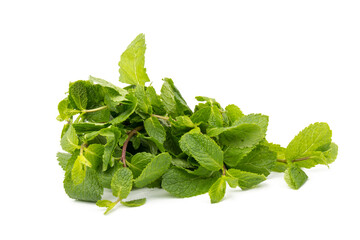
column 132, row 137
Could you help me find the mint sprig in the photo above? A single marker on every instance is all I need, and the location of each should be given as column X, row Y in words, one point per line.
column 132, row 137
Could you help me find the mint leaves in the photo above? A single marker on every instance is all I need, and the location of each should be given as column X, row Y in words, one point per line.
column 133, row 137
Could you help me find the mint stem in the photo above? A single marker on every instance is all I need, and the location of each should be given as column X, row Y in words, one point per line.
column 161, row 117
column 296, row 160
column 94, row 110
column 130, row 134
column 224, row 170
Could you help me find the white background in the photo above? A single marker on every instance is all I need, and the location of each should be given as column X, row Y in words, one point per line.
column 296, row 61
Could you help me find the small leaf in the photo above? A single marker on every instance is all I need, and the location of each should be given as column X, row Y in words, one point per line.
column 78, row 171
column 233, row 112
column 246, row 180
column 134, row 203
column 112, row 135
column 69, row 142
column 107, row 84
column 233, row 156
column 78, row 94
column 143, row 102
column 139, row 161
column 201, row 116
column 94, row 153
column 154, row 128
column 217, row 190
column 88, row 127
column 154, row 170
column 121, row 183
column 126, row 109
column 295, row 177
column 65, row 110
column 103, row 203
column 111, row 206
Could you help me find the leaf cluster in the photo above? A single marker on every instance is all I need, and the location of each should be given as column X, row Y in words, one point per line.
column 133, row 137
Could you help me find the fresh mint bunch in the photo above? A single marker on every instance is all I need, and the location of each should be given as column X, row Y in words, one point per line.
column 133, row 137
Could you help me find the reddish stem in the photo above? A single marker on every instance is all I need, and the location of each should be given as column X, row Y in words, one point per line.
column 130, row 134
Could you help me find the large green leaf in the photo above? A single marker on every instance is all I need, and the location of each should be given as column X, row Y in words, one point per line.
column 154, row 170
column 182, row 184
column 203, row 149
column 260, row 160
column 132, row 62
column 313, row 138
column 174, row 103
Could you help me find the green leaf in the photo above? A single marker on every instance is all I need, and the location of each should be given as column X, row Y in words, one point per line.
column 239, row 136
column 112, row 135
column 215, row 117
column 331, row 153
column 233, row 112
column 295, row 177
column 181, row 163
column 99, row 116
column 261, row 120
column 233, row 156
column 94, row 154
column 143, row 102
column 104, row 203
column 132, row 62
column 179, row 183
column 89, row 190
column 69, row 142
column 154, row 170
column 154, row 128
column 122, row 92
column 139, row 161
column 126, row 109
column 155, row 100
column 260, row 160
column 111, row 206
column 201, row 116
column 246, row 180
column 63, row 159
column 105, row 177
column 65, row 110
column 121, row 183
column 309, row 140
column 78, row 94
column 86, row 127
column 200, row 171
column 174, row 103
column 217, row 190
column 78, row 171
column 134, row 203
column 280, row 152
column 203, row 149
